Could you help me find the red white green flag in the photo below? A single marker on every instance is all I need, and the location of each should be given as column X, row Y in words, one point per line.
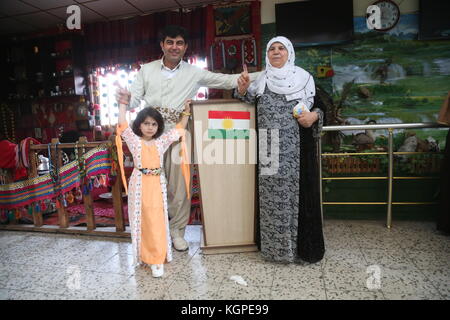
column 228, row 124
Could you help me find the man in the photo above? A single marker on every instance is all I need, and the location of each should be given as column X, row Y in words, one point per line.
column 166, row 84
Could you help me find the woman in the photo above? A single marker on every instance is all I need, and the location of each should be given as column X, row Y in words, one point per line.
column 289, row 203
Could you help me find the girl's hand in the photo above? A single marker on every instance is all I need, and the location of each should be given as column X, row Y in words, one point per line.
column 307, row 119
column 187, row 106
column 123, row 96
column 243, row 81
column 185, row 114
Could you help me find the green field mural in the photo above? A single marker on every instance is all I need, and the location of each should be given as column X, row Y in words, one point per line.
column 404, row 80
column 390, row 77
column 394, row 77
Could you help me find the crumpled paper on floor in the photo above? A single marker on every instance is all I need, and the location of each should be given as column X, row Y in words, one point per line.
column 238, row 280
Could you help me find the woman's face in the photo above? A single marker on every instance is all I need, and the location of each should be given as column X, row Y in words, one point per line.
column 278, row 55
column 149, row 128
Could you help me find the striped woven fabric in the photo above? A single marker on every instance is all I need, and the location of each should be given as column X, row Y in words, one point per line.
column 19, row 194
column 98, row 162
column 70, row 177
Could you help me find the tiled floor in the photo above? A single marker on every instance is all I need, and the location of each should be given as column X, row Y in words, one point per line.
column 411, row 261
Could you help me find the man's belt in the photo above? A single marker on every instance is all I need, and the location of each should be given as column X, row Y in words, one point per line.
column 170, row 115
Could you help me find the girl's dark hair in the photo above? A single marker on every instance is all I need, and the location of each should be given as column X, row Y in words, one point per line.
column 142, row 115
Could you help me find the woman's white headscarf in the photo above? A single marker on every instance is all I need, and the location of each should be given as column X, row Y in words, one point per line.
column 292, row 81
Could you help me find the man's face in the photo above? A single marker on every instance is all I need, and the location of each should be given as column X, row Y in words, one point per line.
column 174, row 49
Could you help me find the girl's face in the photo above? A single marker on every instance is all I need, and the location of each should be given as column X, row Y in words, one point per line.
column 148, row 128
column 278, row 55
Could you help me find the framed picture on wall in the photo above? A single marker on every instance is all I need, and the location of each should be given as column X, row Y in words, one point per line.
column 232, row 20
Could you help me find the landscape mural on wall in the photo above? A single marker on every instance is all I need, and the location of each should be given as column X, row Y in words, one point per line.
column 391, row 77
column 394, row 77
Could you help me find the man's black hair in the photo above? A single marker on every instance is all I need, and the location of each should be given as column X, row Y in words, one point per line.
column 173, row 31
column 142, row 115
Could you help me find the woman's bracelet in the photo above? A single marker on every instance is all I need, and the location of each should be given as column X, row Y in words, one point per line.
column 186, row 113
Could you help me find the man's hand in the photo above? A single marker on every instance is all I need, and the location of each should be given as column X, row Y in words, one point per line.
column 243, row 81
column 307, row 119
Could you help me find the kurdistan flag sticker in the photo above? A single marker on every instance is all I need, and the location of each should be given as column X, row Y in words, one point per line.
column 228, row 124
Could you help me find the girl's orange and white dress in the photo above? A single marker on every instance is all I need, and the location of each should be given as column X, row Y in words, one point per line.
column 147, row 197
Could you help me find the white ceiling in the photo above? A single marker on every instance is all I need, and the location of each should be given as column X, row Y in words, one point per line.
column 18, row 16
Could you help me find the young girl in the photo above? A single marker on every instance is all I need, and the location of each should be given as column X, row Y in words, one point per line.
column 147, row 196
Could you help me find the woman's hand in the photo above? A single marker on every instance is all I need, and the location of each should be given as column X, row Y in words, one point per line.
column 307, row 119
column 243, row 81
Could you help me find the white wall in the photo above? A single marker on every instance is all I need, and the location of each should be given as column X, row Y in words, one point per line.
column 359, row 7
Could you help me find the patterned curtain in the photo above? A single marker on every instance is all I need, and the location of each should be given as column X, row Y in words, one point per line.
column 135, row 40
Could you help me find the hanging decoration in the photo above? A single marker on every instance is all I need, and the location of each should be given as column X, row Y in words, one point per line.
column 78, row 194
column 232, row 53
column 249, row 53
column 56, row 184
column 217, row 55
column 96, row 182
column 7, row 122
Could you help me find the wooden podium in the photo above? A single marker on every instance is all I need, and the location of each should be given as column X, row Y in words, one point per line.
column 224, row 143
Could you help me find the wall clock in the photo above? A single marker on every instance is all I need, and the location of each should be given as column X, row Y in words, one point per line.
column 383, row 15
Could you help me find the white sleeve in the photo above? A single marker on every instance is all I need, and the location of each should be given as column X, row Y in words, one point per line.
column 137, row 90
column 167, row 138
column 218, row 80
column 132, row 140
column 221, row 80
